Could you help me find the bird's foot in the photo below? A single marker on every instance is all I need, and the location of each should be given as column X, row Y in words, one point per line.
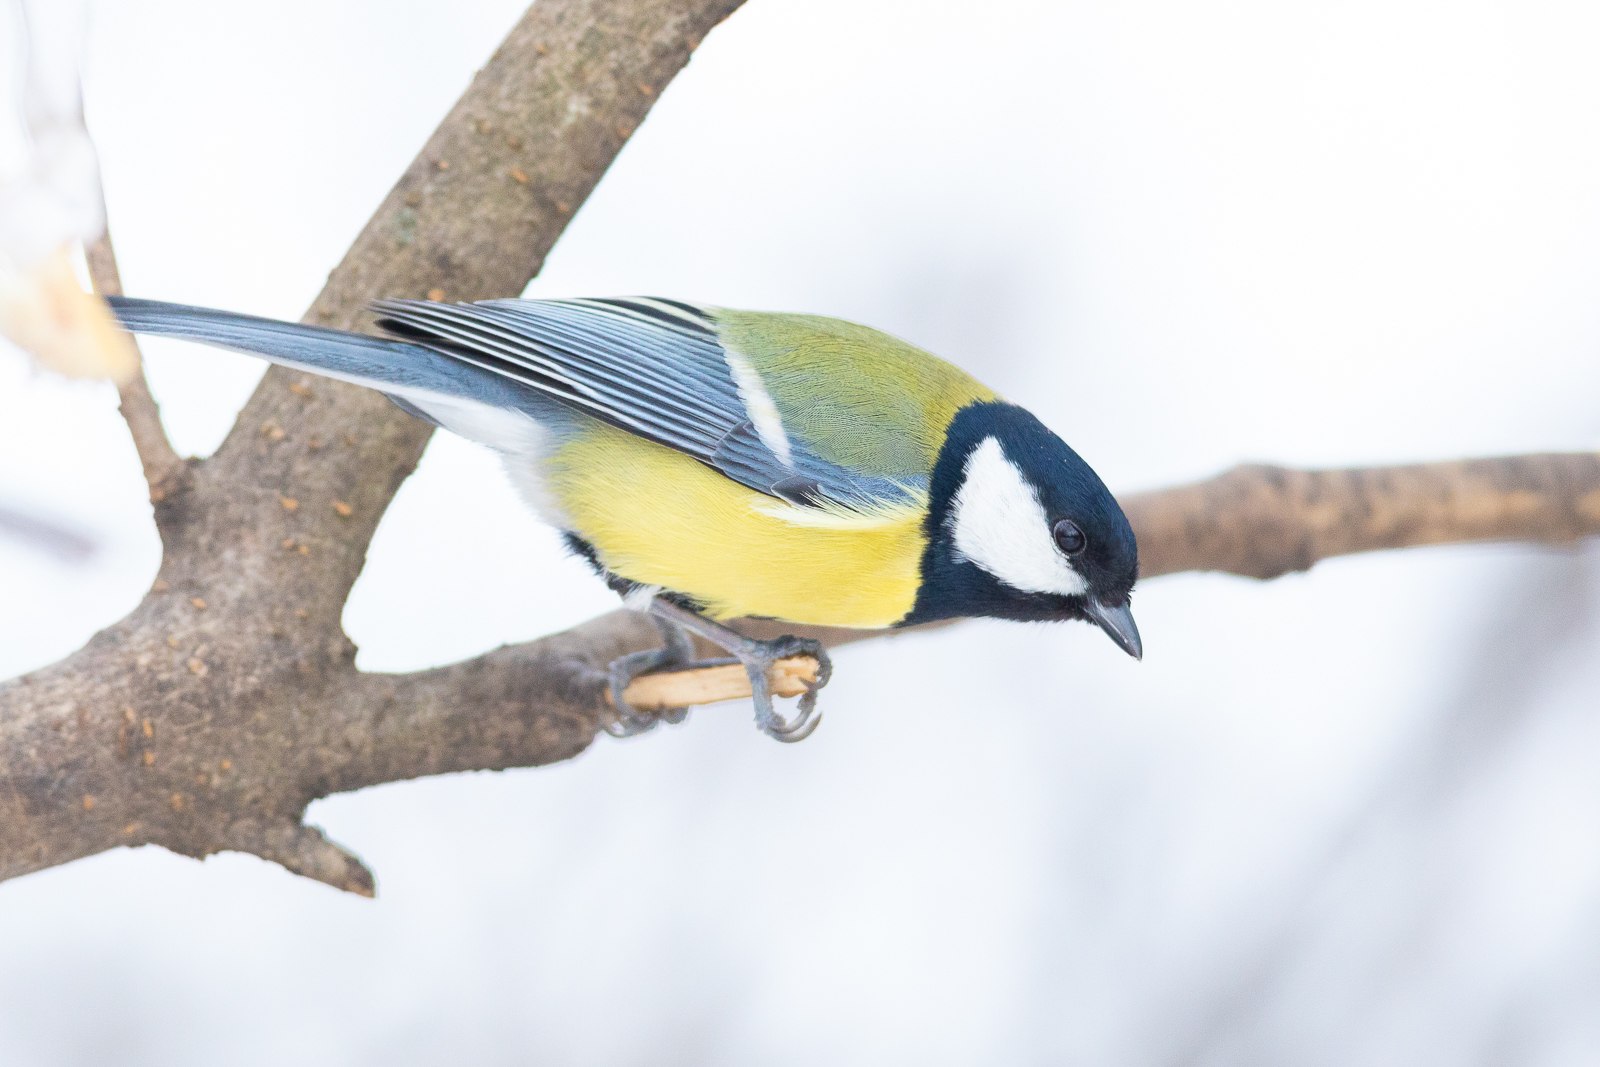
column 676, row 651
column 758, row 658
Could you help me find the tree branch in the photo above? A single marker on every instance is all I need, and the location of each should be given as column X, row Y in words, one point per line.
column 164, row 470
column 201, row 721
column 227, row 701
column 1264, row 521
column 543, row 701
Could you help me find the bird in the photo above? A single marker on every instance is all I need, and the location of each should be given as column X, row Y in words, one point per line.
column 712, row 464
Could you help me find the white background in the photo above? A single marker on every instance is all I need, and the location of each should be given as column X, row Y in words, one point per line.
column 1345, row 817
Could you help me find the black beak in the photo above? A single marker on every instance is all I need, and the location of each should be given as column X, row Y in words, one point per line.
column 1118, row 624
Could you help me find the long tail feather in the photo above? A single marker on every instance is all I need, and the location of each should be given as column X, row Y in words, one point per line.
column 474, row 402
column 389, row 366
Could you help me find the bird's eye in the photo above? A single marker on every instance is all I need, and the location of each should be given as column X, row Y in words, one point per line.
column 1069, row 538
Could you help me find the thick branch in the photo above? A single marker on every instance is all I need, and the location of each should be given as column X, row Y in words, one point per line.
column 472, row 217
column 206, row 719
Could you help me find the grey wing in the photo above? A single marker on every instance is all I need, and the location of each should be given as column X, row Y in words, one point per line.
column 652, row 367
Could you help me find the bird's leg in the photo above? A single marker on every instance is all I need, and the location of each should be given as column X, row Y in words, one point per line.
column 676, row 651
column 758, row 658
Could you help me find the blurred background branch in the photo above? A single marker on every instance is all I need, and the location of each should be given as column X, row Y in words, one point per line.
column 42, row 533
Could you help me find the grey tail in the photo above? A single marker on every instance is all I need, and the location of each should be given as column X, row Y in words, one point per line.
column 414, row 376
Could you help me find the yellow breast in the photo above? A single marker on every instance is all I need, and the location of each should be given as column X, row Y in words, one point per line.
column 657, row 517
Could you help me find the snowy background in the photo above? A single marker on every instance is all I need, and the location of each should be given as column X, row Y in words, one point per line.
column 1347, row 817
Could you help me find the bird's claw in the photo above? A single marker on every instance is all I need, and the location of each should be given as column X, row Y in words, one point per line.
column 621, row 672
column 758, row 658
column 675, row 651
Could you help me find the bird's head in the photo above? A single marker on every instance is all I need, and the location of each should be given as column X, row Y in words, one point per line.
column 1020, row 527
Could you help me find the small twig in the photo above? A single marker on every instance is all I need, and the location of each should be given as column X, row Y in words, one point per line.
column 305, row 850
column 164, row 470
column 712, row 685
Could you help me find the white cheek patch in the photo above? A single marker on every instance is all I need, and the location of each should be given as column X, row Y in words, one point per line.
column 997, row 522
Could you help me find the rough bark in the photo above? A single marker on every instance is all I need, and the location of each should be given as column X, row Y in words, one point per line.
column 227, row 701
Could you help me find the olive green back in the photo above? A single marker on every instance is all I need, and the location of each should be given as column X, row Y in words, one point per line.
column 859, row 397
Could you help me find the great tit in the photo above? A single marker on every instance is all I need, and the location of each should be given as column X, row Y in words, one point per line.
column 712, row 464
